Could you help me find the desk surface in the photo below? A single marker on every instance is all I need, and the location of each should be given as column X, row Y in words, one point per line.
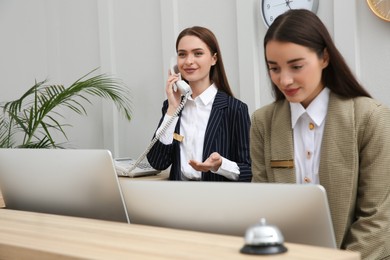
column 164, row 175
column 29, row 235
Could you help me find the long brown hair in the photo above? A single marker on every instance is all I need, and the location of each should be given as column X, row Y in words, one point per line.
column 304, row 28
column 217, row 72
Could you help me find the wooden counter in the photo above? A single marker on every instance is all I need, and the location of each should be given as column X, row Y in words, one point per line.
column 29, row 235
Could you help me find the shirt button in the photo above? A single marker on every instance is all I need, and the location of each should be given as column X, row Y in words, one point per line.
column 308, row 155
column 311, row 126
column 307, row 180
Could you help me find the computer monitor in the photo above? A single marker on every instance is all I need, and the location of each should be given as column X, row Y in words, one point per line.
column 81, row 183
column 301, row 212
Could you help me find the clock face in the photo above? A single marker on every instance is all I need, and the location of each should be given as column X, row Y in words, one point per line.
column 381, row 8
column 273, row 8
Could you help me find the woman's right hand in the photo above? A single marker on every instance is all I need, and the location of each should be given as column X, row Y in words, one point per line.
column 174, row 98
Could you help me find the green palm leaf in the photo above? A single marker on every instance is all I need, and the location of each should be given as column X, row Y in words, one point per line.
column 34, row 114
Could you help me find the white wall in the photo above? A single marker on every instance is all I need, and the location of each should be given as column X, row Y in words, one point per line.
column 61, row 40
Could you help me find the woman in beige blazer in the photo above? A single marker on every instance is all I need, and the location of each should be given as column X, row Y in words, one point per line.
column 324, row 128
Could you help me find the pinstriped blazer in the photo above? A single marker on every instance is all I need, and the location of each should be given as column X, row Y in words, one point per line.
column 227, row 133
column 354, row 167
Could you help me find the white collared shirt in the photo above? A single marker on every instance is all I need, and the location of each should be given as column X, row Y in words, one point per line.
column 193, row 123
column 308, row 127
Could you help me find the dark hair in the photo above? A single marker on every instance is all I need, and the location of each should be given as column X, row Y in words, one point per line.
column 304, row 28
column 217, row 72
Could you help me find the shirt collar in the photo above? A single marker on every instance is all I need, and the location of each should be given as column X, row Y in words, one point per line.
column 208, row 95
column 316, row 110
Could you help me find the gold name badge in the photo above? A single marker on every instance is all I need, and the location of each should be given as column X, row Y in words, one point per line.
column 282, row 163
column 178, row 137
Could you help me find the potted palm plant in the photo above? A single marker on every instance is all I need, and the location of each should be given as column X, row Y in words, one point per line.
column 31, row 120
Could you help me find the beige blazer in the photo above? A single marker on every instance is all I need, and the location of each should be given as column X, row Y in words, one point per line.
column 354, row 166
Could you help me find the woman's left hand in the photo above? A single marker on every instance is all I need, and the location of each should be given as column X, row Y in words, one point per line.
column 212, row 163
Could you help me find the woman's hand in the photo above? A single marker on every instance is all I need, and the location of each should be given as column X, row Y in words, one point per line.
column 174, row 98
column 212, row 163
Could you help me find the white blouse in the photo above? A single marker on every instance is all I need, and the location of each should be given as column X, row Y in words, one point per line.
column 308, row 127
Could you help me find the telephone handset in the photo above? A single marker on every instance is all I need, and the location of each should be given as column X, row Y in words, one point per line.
column 185, row 90
column 180, row 85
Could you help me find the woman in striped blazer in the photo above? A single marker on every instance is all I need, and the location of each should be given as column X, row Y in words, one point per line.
column 209, row 139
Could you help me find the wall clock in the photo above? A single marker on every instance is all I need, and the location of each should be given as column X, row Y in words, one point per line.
column 271, row 9
column 380, row 8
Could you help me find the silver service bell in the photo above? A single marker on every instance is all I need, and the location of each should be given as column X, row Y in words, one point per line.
column 263, row 239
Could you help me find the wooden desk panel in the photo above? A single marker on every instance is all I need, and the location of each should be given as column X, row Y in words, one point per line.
column 28, row 235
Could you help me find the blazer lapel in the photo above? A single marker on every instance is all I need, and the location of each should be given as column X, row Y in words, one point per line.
column 339, row 160
column 220, row 102
column 339, row 146
column 282, row 147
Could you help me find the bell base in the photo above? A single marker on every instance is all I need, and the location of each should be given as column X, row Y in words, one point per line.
column 263, row 250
